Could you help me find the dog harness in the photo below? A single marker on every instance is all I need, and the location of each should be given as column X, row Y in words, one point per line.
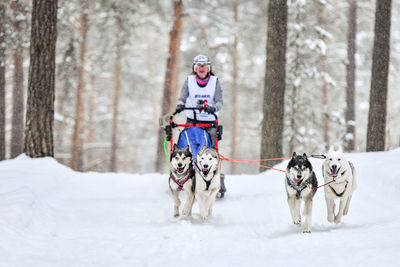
column 334, row 191
column 181, row 182
column 345, row 188
column 298, row 190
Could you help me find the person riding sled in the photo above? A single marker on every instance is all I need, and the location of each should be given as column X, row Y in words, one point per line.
column 202, row 86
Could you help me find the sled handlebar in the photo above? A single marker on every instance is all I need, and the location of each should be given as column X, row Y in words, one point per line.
column 194, row 108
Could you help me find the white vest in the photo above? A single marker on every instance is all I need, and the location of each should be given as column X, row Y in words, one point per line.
column 205, row 93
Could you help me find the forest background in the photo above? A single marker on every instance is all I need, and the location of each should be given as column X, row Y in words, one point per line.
column 113, row 56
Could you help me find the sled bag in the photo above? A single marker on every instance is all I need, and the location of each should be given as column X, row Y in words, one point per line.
column 196, row 138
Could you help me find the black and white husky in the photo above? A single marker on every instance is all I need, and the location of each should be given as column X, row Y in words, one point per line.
column 208, row 180
column 182, row 178
column 301, row 184
column 338, row 169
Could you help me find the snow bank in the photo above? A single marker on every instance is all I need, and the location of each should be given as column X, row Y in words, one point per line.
column 53, row 216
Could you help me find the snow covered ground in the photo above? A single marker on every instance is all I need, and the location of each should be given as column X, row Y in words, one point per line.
column 53, row 216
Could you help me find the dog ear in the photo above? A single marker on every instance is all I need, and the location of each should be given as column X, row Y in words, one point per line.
column 175, row 147
column 187, row 151
column 202, row 149
column 340, row 149
column 294, row 154
column 331, row 149
column 304, row 155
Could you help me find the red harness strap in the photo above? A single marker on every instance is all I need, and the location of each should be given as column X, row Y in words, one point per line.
column 180, row 183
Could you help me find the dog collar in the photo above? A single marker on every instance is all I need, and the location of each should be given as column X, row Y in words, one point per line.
column 181, row 182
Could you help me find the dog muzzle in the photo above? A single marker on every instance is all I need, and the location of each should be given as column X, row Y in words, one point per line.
column 205, row 169
column 334, row 172
column 297, row 181
column 180, row 169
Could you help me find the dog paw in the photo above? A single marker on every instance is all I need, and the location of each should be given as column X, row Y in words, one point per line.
column 297, row 221
column 204, row 217
column 330, row 219
column 186, row 212
column 338, row 219
column 176, row 215
column 307, row 231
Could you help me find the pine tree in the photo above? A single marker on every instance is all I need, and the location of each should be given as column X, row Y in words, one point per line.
column 17, row 129
column 77, row 137
column 350, row 77
column 171, row 75
column 379, row 78
column 41, row 82
column 117, row 89
column 274, row 90
column 2, row 82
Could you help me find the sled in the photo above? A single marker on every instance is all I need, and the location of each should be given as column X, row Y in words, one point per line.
column 193, row 134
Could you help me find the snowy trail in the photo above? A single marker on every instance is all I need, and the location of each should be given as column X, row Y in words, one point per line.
column 52, row 216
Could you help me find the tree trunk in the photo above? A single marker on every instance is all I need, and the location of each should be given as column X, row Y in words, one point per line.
column 41, row 82
column 379, row 78
column 90, row 136
column 77, row 136
column 294, row 105
column 235, row 112
column 66, row 71
column 170, row 75
column 325, row 116
column 117, row 85
column 2, row 83
column 350, row 77
column 324, row 86
column 17, row 120
column 274, row 90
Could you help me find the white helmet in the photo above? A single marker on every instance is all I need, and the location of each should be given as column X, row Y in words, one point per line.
column 201, row 59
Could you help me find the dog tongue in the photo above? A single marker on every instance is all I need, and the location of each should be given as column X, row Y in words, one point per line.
column 205, row 171
column 297, row 181
column 333, row 173
column 180, row 170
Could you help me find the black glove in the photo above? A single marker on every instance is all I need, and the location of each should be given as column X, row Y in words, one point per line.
column 209, row 109
column 179, row 108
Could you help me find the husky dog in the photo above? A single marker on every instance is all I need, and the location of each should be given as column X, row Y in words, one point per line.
column 338, row 169
column 208, row 179
column 182, row 178
column 301, row 184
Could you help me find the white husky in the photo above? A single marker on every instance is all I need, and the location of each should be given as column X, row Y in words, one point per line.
column 208, row 180
column 338, row 169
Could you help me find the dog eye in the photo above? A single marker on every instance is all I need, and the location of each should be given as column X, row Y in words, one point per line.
column 330, row 159
column 339, row 159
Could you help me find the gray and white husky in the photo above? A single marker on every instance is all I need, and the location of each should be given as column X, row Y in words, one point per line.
column 208, row 180
column 301, row 184
column 182, row 178
column 338, row 169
